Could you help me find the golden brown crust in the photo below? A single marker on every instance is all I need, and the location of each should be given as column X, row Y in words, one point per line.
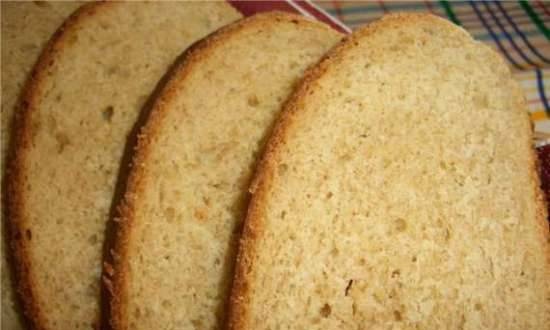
column 16, row 181
column 253, row 224
column 116, row 274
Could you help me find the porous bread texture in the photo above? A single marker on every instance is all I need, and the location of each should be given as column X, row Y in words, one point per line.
column 187, row 192
column 398, row 191
column 26, row 27
column 84, row 95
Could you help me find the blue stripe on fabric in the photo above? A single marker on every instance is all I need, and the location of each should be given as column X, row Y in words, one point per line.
column 520, row 33
column 499, row 45
column 389, row 5
column 406, row 6
column 542, row 94
column 510, row 39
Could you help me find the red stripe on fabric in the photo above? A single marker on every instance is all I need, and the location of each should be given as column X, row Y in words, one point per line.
column 543, row 7
column 248, row 8
column 338, row 8
column 382, row 5
column 428, row 4
column 319, row 15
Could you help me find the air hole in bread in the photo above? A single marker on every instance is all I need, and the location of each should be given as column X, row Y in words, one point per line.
column 447, row 234
column 28, row 234
column 326, row 310
column 400, row 225
column 72, row 39
column 345, row 157
column 169, row 214
column 112, row 70
column 397, row 315
column 36, row 125
column 428, row 31
column 62, row 142
column 108, row 113
column 201, row 213
column 92, row 239
column 253, row 100
column 481, row 100
column 166, row 304
column 51, row 122
column 348, row 287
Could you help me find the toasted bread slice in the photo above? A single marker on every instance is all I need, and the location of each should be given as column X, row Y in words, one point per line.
column 26, row 28
column 398, row 191
column 187, row 191
column 84, row 95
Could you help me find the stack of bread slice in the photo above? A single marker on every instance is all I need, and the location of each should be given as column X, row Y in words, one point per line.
column 272, row 176
column 77, row 109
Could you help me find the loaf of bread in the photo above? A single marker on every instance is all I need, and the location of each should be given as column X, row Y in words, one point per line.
column 82, row 100
column 398, row 191
column 26, row 27
column 187, row 190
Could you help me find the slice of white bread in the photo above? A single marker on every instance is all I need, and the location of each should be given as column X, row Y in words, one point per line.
column 399, row 190
column 85, row 93
column 26, row 27
column 187, row 191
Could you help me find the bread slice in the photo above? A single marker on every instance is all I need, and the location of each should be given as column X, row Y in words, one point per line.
column 398, row 191
column 84, row 95
column 187, row 191
column 26, row 27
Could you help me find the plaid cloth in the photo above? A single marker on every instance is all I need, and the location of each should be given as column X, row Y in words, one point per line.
column 519, row 30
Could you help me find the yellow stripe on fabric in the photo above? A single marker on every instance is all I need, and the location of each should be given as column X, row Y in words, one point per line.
column 538, row 115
